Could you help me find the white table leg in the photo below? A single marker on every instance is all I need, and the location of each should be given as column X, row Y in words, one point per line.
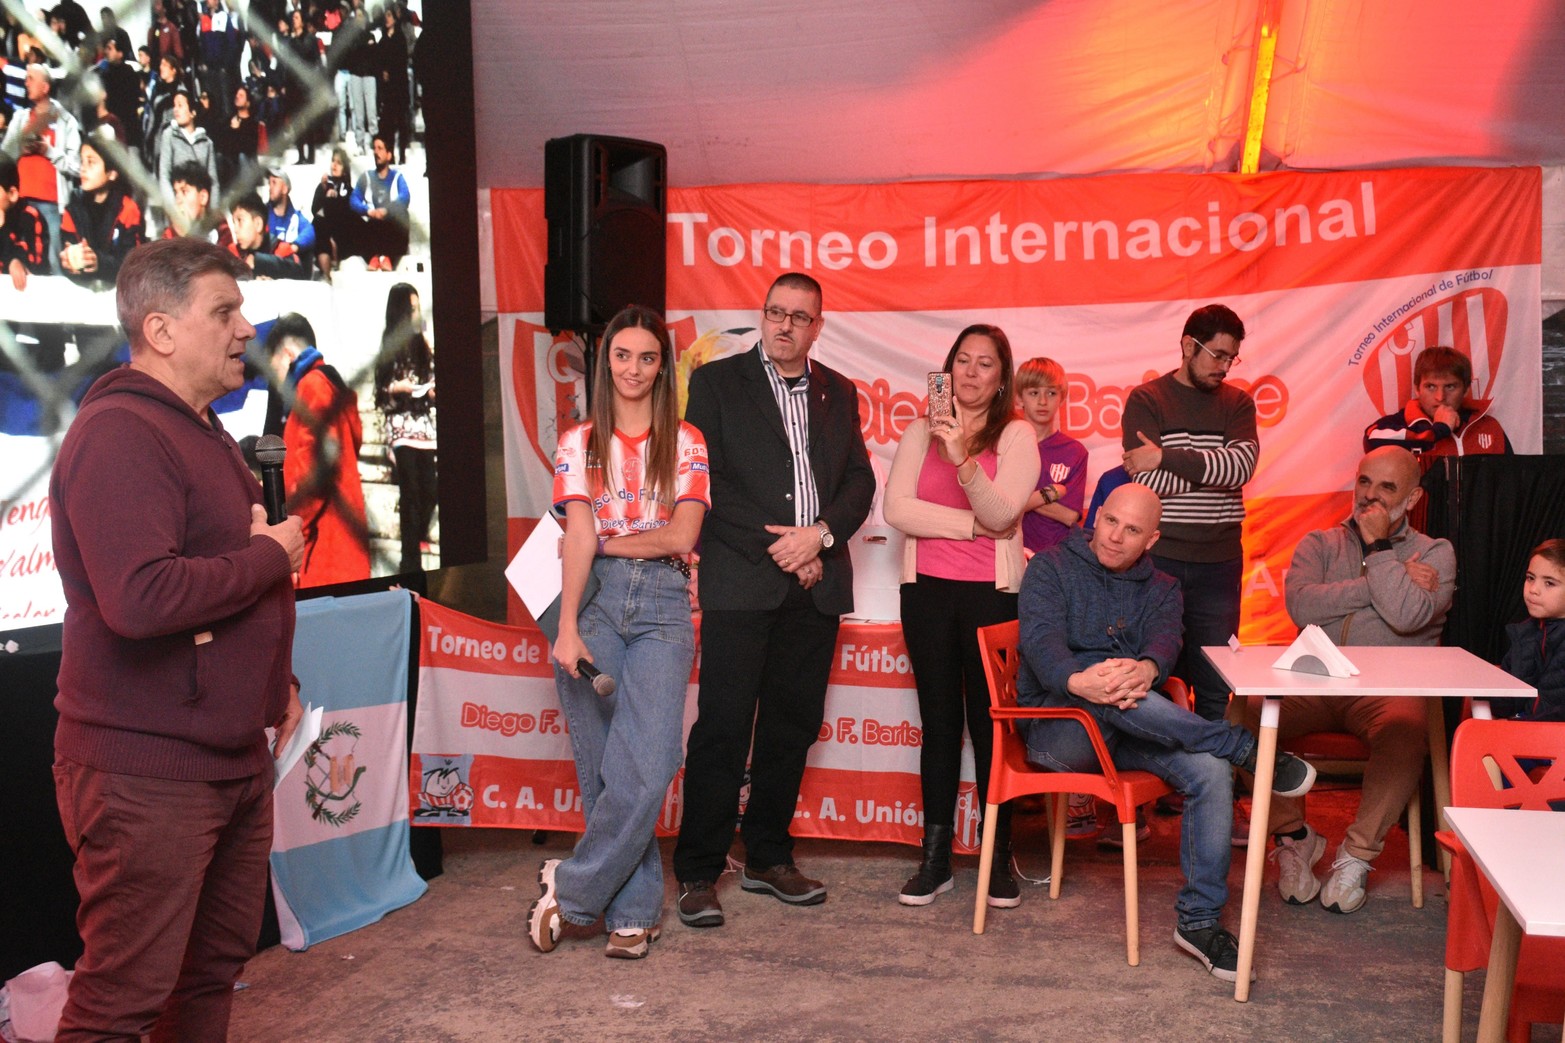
column 1255, row 855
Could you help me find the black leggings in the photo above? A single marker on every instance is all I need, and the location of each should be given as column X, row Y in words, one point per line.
column 416, row 479
column 940, row 621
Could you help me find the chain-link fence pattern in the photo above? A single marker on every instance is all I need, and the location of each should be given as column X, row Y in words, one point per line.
column 287, row 133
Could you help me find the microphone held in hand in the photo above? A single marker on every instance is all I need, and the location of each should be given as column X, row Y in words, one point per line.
column 602, row 683
column 269, row 453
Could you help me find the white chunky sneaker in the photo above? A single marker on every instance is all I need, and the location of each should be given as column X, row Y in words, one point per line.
column 1344, row 891
column 1295, row 866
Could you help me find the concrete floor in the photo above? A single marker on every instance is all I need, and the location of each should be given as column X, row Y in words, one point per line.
column 457, row 965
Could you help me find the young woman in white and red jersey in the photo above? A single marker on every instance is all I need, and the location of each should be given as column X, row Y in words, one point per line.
column 632, row 483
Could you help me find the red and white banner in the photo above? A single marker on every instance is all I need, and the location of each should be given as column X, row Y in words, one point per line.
column 1341, row 279
column 490, row 745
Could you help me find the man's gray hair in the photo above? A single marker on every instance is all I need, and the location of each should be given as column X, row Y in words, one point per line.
column 158, row 276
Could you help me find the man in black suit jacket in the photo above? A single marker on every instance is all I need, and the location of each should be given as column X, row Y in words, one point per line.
column 791, row 483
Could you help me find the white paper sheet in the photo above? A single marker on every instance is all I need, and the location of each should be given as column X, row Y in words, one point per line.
column 304, row 737
column 535, row 571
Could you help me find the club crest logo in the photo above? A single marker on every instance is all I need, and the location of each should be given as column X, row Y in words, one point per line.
column 969, row 816
column 1471, row 321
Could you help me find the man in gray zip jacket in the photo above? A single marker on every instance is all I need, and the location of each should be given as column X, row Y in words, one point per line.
column 1372, row 580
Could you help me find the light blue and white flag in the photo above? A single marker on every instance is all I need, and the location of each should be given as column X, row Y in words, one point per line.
column 340, row 845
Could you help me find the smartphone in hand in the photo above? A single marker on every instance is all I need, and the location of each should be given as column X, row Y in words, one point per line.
column 939, row 395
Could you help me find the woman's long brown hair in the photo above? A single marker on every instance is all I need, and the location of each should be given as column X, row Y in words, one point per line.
column 1003, row 408
column 661, row 455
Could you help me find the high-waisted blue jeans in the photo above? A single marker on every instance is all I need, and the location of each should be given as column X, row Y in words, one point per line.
column 628, row 745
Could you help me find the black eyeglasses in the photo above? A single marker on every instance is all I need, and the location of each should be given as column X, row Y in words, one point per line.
column 802, row 319
column 1222, row 360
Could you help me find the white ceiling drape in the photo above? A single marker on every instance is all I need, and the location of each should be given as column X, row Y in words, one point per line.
column 822, row 91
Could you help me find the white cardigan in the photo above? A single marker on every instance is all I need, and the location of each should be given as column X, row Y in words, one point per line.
column 996, row 504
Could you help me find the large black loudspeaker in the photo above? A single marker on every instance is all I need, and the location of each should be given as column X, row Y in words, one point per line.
column 606, row 201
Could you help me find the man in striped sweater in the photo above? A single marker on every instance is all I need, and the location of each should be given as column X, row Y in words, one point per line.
column 1190, row 437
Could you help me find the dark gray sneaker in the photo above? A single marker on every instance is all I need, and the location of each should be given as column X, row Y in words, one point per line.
column 784, row 883
column 1294, row 776
column 698, row 905
column 1215, row 948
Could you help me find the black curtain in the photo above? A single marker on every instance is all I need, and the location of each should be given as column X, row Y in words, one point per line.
column 38, row 910
column 1494, row 510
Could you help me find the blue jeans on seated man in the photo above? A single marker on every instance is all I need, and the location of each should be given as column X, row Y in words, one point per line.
column 1190, row 753
column 628, row 745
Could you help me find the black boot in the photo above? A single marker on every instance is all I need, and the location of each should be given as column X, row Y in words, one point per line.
column 1003, row 890
column 934, row 873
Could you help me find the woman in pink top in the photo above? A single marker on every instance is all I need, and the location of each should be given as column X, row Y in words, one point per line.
column 957, row 488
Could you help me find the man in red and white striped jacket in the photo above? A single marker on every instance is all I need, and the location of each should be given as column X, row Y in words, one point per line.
column 1437, row 422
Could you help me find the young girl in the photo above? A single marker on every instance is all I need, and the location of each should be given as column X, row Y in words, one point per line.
column 405, row 394
column 102, row 223
column 633, row 484
column 1537, row 652
column 1056, row 506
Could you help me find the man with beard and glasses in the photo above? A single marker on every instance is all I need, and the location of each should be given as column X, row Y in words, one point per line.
column 1190, row 437
column 1372, row 580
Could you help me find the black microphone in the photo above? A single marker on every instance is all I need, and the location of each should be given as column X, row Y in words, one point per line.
column 602, row 683
column 269, row 452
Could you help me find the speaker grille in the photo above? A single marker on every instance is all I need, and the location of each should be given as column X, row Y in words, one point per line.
column 606, row 202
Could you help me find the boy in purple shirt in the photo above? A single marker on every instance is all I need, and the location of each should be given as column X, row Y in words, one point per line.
column 1055, row 508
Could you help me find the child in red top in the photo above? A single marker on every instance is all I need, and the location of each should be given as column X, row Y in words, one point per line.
column 23, row 242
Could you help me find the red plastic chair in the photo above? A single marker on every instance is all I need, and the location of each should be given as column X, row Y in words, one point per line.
column 1180, row 694
column 1011, row 776
column 1484, row 755
column 1344, row 752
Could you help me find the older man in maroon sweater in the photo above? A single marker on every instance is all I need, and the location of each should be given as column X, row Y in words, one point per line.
column 177, row 656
